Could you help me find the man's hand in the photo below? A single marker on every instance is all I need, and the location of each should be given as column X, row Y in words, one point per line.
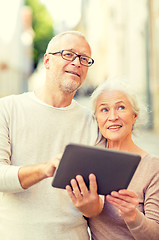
column 86, row 201
column 50, row 167
column 32, row 174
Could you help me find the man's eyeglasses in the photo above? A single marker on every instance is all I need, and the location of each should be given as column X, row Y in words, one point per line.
column 71, row 56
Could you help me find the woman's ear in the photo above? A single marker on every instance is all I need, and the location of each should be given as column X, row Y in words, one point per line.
column 135, row 117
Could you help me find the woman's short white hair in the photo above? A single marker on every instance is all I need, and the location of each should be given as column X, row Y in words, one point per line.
column 121, row 85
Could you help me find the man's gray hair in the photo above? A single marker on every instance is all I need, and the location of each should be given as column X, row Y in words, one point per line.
column 60, row 35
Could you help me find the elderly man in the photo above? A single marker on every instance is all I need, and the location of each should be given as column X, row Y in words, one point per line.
column 34, row 128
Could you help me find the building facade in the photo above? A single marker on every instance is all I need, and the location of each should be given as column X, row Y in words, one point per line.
column 123, row 35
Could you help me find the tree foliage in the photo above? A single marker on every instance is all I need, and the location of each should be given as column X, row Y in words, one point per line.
column 42, row 26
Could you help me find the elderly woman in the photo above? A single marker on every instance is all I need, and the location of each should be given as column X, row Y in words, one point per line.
column 131, row 213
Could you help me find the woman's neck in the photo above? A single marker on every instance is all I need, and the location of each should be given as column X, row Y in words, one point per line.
column 128, row 146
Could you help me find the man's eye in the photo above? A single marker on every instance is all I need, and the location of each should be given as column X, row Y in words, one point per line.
column 68, row 55
column 84, row 59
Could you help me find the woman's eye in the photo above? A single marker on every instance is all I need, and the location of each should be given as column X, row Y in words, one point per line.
column 104, row 110
column 121, row 108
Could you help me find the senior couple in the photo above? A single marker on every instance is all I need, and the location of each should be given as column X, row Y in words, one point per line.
column 36, row 126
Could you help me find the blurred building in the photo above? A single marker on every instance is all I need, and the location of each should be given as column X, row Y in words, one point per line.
column 15, row 47
column 27, row 36
column 154, row 59
column 123, row 35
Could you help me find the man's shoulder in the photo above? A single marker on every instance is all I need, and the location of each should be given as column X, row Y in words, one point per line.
column 82, row 108
column 14, row 96
column 13, row 100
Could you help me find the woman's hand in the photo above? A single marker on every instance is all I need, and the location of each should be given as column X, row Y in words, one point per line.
column 86, row 201
column 126, row 201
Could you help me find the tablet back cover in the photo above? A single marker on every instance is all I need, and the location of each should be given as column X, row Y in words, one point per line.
column 113, row 169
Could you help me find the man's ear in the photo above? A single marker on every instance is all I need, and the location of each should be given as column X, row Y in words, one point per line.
column 46, row 61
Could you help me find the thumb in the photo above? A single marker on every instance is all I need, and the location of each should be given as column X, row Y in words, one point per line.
column 57, row 160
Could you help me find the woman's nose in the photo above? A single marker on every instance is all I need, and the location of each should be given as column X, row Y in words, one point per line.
column 113, row 115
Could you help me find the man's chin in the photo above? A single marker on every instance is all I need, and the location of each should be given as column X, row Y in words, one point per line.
column 70, row 86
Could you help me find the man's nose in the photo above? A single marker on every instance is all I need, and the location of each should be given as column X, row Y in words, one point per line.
column 76, row 60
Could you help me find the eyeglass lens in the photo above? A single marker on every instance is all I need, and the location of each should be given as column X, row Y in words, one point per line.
column 84, row 60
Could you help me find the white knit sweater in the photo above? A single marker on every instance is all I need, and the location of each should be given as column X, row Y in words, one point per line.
column 32, row 132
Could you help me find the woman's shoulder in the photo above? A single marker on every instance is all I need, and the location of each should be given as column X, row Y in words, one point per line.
column 151, row 163
column 151, row 158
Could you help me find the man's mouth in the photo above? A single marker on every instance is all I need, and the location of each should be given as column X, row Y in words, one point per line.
column 74, row 73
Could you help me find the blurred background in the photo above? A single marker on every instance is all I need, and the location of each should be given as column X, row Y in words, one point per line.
column 123, row 34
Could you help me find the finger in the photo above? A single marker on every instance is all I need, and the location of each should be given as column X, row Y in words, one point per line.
column 70, row 193
column 59, row 156
column 56, row 162
column 82, row 185
column 133, row 199
column 122, row 209
column 122, row 203
column 127, row 192
column 76, row 190
column 92, row 183
column 126, row 209
column 114, row 200
column 127, row 196
column 116, row 203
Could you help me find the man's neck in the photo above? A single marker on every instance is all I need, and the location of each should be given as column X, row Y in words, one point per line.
column 54, row 98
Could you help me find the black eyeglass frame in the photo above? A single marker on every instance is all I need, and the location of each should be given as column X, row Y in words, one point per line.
column 76, row 55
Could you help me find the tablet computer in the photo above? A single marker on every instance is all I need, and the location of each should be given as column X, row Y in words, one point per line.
column 113, row 169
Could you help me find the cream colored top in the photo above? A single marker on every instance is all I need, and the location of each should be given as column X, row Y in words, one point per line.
column 32, row 132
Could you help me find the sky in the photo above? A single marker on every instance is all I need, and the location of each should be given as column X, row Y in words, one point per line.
column 64, row 12
column 8, row 18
